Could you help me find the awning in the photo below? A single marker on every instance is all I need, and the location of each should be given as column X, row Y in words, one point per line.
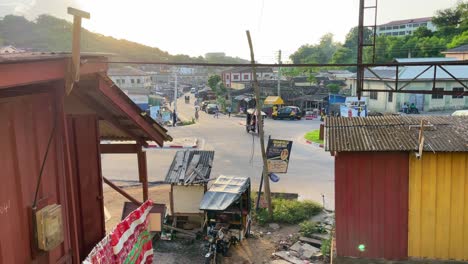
column 119, row 117
column 273, row 100
column 224, row 192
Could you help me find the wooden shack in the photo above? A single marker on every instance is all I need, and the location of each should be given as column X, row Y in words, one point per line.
column 50, row 153
column 188, row 175
column 401, row 187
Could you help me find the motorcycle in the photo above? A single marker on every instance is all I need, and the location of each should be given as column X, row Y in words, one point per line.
column 218, row 243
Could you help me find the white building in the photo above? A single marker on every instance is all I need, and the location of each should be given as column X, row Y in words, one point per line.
column 244, row 75
column 131, row 80
column 389, row 102
column 405, row 27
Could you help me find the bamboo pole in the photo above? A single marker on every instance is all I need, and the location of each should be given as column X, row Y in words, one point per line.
column 266, row 179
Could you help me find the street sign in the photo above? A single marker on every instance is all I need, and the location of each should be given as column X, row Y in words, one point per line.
column 278, row 152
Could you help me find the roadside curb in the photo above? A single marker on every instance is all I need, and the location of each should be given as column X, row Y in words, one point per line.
column 185, row 144
column 314, row 144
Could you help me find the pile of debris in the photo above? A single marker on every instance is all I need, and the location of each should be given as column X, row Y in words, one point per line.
column 307, row 249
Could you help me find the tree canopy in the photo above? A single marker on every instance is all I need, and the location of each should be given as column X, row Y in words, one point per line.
column 452, row 31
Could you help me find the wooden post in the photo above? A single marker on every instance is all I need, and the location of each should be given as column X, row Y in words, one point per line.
column 143, row 171
column 73, row 74
column 266, row 179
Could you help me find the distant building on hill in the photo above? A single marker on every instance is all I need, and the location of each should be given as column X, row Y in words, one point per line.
column 131, row 80
column 405, row 27
column 459, row 53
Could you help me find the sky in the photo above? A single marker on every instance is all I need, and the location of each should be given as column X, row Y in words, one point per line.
column 197, row 27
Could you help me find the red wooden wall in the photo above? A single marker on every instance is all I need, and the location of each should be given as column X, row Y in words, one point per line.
column 83, row 137
column 26, row 123
column 371, row 203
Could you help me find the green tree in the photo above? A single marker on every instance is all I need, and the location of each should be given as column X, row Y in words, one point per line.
column 320, row 53
column 422, row 32
column 213, row 82
column 459, row 40
column 334, row 88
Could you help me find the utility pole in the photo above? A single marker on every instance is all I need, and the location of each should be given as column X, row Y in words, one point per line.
column 266, row 179
column 175, row 91
column 279, row 73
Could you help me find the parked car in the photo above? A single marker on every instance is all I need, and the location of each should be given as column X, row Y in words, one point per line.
column 288, row 112
column 193, row 90
column 211, row 108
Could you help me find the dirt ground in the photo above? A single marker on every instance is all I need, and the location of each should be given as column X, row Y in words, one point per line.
column 114, row 201
column 257, row 249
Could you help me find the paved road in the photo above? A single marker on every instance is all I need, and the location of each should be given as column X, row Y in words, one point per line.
column 310, row 170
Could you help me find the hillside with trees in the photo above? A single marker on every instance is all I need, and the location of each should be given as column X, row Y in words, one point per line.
column 452, row 31
column 48, row 33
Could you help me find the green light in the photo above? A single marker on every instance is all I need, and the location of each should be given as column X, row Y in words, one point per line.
column 362, row 248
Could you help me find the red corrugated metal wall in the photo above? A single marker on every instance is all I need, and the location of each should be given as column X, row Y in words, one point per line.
column 371, row 203
column 86, row 170
column 25, row 126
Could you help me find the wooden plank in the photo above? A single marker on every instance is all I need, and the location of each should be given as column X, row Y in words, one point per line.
column 119, row 148
column 180, row 230
column 122, row 192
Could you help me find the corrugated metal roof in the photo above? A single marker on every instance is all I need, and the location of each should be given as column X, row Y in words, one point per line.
column 424, row 60
column 407, row 73
column 225, row 191
column 190, row 167
column 396, row 133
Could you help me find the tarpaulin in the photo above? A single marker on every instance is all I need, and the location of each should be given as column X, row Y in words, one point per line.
column 129, row 242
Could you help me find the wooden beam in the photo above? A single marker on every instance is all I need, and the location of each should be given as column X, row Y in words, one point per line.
column 119, row 148
column 73, row 74
column 124, row 106
column 143, row 171
column 122, row 192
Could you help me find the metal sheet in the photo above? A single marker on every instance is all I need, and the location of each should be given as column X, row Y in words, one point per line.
column 182, row 171
column 26, row 125
column 86, row 170
column 396, row 133
column 438, row 206
column 371, row 196
column 224, row 192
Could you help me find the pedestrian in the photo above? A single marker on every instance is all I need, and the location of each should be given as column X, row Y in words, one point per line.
column 216, row 112
column 405, row 108
column 229, row 111
column 196, row 114
column 174, row 118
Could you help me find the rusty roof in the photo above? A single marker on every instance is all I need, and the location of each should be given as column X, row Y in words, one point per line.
column 191, row 167
column 41, row 56
column 121, row 126
column 396, row 133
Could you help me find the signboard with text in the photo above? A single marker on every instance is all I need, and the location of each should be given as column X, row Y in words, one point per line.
column 278, row 152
